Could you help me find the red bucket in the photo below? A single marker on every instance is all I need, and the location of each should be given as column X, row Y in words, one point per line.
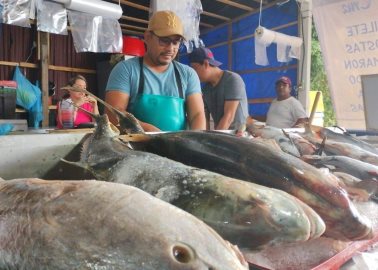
column 133, row 46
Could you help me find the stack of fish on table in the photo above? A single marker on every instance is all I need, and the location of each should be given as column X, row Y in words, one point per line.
column 240, row 158
column 250, row 193
column 353, row 161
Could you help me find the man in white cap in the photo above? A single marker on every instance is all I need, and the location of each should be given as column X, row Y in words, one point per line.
column 161, row 93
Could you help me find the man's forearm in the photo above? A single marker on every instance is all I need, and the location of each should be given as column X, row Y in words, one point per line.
column 224, row 123
column 198, row 122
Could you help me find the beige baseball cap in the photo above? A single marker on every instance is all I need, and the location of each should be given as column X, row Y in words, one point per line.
column 165, row 23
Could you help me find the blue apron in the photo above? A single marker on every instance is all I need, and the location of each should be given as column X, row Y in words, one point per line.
column 165, row 112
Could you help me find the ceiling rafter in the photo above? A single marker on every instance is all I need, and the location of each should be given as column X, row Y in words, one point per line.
column 131, row 4
column 237, row 5
column 213, row 14
column 133, row 19
column 128, row 26
column 216, row 16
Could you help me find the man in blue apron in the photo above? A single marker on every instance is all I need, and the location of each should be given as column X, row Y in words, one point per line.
column 162, row 93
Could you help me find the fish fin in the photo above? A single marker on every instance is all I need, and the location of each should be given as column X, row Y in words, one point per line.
column 320, row 150
column 77, row 164
column 126, row 119
column 134, row 137
column 126, row 143
column 78, row 107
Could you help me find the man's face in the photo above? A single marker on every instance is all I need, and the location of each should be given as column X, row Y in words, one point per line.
column 282, row 90
column 162, row 50
column 201, row 71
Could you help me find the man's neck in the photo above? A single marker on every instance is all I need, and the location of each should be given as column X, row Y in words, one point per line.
column 153, row 66
column 216, row 76
column 283, row 98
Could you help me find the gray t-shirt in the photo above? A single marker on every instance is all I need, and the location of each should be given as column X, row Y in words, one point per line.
column 285, row 113
column 230, row 87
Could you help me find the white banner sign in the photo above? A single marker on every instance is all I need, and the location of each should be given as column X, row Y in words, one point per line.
column 348, row 34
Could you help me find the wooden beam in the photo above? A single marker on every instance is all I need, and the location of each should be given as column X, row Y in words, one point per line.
column 206, row 25
column 133, row 19
column 51, row 67
column 44, row 48
column 71, row 69
column 21, row 64
column 259, row 70
column 237, row 5
column 215, row 16
column 131, row 4
column 126, row 31
column 128, row 26
column 260, row 100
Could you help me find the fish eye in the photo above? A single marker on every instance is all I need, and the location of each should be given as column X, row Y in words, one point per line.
column 182, row 254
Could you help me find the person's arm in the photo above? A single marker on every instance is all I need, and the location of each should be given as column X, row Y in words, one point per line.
column 196, row 111
column 58, row 116
column 301, row 122
column 261, row 118
column 120, row 101
column 299, row 114
column 229, row 110
column 207, row 116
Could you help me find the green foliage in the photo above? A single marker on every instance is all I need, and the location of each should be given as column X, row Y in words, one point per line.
column 319, row 79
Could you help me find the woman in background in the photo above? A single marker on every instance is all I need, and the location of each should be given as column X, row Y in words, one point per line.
column 79, row 99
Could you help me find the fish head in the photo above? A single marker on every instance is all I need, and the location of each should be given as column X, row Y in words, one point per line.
column 180, row 240
column 102, row 225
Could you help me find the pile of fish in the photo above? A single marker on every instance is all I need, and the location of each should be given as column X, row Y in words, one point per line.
column 254, row 161
column 100, row 225
column 244, row 213
column 353, row 161
column 238, row 210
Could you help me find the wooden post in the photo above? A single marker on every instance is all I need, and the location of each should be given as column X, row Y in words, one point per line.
column 314, row 106
column 44, row 57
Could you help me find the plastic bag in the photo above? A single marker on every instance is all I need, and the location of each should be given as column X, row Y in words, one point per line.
column 93, row 33
column 5, row 128
column 17, row 12
column 36, row 111
column 29, row 96
column 26, row 94
column 51, row 17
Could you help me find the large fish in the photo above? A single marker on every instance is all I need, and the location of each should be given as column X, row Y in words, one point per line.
column 359, row 190
column 282, row 139
column 100, row 225
column 350, row 150
column 345, row 137
column 335, row 148
column 250, row 160
column 357, row 168
column 246, row 214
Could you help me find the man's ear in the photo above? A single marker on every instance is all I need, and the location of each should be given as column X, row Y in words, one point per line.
column 206, row 63
column 147, row 35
